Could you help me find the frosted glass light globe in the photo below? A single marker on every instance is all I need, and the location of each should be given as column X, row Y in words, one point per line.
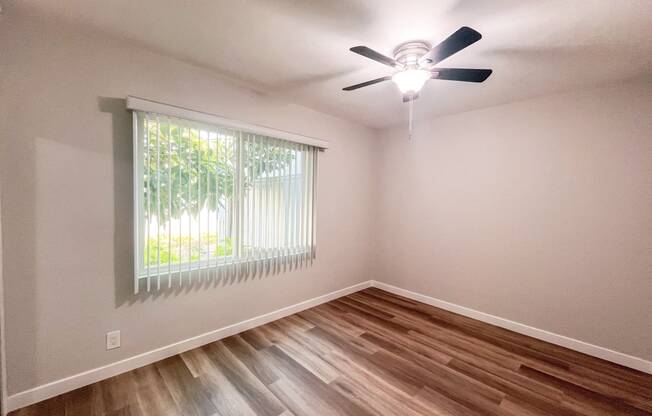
column 411, row 80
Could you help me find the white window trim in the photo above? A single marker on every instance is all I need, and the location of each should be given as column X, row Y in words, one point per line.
column 295, row 258
column 141, row 104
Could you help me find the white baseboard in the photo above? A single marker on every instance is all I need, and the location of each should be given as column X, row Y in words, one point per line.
column 43, row 392
column 37, row 394
column 561, row 340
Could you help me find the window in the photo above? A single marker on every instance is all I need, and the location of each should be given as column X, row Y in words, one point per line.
column 217, row 202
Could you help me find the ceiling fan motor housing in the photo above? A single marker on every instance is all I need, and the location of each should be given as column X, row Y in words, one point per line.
column 408, row 53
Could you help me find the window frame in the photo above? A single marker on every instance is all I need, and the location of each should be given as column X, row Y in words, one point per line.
column 146, row 106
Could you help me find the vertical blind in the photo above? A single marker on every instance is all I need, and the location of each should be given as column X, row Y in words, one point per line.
column 216, row 202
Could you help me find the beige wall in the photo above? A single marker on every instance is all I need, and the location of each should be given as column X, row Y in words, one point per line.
column 66, row 177
column 3, row 373
column 538, row 211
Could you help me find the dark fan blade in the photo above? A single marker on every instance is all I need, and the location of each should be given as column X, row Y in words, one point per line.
column 459, row 40
column 378, row 57
column 364, row 84
column 461, row 74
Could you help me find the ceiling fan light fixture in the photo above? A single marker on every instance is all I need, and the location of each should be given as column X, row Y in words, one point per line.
column 410, row 81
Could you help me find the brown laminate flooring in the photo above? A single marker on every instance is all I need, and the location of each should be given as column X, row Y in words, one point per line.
column 369, row 353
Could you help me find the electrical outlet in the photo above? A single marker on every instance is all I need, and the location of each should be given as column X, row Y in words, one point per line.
column 112, row 340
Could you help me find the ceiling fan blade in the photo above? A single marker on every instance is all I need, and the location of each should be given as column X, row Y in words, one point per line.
column 376, row 56
column 459, row 40
column 364, row 84
column 461, row 74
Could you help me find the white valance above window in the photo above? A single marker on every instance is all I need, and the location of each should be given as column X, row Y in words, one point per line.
column 148, row 106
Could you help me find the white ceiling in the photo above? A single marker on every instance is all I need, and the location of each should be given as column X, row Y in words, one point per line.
column 299, row 48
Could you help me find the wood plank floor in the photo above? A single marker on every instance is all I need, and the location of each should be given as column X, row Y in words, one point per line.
column 369, row 353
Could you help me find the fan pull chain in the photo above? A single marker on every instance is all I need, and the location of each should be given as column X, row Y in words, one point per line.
column 410, row 120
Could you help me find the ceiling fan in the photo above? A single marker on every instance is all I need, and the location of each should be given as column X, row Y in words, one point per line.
column 414, row 62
